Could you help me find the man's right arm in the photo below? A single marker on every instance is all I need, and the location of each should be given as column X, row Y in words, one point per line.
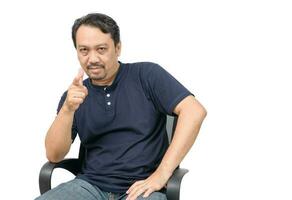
column 58, row 139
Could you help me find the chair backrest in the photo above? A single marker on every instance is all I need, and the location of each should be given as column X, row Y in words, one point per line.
column 170, row 128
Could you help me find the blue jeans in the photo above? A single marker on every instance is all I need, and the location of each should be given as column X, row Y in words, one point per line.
column 78, row 189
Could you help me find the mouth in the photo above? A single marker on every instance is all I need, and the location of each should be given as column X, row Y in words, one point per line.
column 95, row 67
column 94, row 70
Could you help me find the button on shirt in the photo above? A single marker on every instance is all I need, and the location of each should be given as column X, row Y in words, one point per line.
column 122, row 126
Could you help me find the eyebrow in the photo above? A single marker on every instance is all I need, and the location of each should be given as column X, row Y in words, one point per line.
column 99, row 45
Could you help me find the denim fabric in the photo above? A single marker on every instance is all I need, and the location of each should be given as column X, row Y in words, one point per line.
column 78, row 189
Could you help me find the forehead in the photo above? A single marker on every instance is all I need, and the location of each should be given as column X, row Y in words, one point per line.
column 91, row 36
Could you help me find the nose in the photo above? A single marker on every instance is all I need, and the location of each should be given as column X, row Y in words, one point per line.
column 93, row 57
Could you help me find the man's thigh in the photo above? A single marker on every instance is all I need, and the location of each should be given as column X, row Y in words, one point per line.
column 74, row 189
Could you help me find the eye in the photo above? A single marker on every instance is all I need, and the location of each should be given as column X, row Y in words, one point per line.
column 83, row 50
column 102, row 50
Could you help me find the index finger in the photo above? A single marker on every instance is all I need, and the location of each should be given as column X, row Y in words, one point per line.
column 78, row 80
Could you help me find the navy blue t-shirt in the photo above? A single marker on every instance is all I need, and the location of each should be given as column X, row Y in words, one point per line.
column 123, row 126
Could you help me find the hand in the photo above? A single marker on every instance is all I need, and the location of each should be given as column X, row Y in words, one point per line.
column 153, row 183
column 76, row 93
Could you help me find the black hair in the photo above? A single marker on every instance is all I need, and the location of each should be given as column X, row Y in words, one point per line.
column 105, row 23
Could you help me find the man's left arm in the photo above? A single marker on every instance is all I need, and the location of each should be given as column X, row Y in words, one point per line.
column 190, row 117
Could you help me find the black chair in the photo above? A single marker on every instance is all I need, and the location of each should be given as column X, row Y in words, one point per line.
column 74, row 166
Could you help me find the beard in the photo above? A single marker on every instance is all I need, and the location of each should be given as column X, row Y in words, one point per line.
column 96, row 71
column 97, row 77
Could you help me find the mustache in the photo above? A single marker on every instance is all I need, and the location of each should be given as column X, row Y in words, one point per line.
column 95, row 65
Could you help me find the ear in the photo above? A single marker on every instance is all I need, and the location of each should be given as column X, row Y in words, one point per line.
column 118, row 48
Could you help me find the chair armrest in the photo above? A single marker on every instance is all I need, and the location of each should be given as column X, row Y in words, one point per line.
column 72, row 165
column 173, row 184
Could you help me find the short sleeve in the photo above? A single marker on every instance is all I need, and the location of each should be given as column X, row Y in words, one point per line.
column 74, row 126
column 163, row 89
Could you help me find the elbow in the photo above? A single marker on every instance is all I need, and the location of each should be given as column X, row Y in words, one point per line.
column 53, row 154
column 203, row 113
column 199, row 115
column 52, row 157
column 198, row 109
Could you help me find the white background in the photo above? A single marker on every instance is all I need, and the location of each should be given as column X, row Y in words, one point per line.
column 233, row 55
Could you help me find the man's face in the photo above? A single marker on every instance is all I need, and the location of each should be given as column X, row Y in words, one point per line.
column 97, row 54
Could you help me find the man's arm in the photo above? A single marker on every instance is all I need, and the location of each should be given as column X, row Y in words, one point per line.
column 190, row 117
column 58, row 139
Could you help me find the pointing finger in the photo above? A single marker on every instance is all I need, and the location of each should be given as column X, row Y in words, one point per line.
column 78, row 80
column 80, row 75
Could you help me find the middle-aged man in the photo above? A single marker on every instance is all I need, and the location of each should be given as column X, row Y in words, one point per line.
column 119, row 114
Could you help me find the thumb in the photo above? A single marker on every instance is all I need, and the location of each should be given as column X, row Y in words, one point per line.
column 78, row 80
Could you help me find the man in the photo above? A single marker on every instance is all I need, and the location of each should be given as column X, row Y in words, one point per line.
column 119, row 114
